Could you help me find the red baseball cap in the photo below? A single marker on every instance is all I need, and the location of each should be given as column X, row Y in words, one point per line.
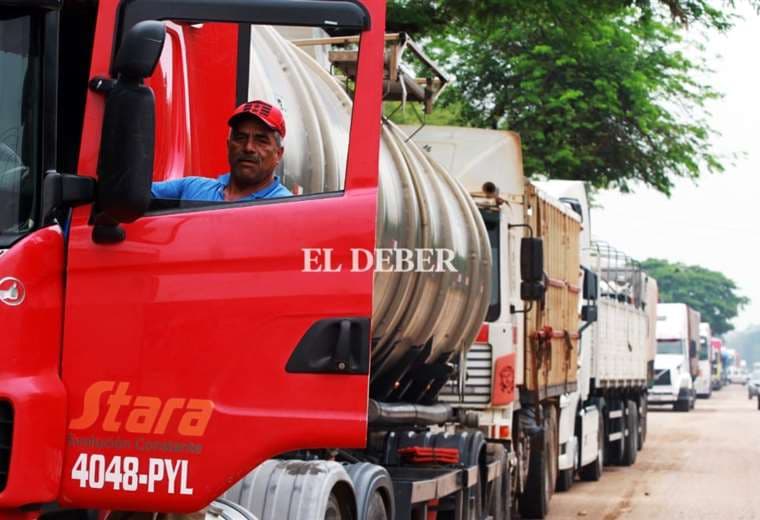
column 269, row 114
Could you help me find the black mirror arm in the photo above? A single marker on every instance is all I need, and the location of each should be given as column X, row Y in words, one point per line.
column 63, row 191
column 515, row 310
column 101, row 84
column 527, row 226
column 106, row 230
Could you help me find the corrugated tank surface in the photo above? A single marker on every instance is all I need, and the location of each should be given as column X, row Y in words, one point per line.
column 419, row 319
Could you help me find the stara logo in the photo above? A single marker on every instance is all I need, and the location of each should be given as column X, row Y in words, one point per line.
column 141, row 413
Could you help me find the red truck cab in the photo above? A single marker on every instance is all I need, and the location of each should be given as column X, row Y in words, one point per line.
column 148, row 353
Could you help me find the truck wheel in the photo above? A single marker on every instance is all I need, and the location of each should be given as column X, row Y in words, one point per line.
column 296, row 490
column 542, row 470
column 614, row 449
column 534, row 502
column 593, row 472
column 682, row 405
column 498, row 505
column 642, row 422
column 506, row 501
column 565, row 479
column 631, row 441
column 374, row 491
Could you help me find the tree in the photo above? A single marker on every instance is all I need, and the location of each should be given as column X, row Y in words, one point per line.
column 432, row 16
column 711, row 293
column 599, row 90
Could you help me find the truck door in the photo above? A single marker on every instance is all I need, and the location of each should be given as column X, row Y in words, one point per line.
column 200, row 346
column 32, row 396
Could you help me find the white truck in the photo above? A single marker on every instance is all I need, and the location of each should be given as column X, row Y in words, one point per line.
column 703, row 384
column 517, row 377
column 605, row 419
column 676, row 366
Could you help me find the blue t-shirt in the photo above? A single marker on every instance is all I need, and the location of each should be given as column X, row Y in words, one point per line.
column 203, row 188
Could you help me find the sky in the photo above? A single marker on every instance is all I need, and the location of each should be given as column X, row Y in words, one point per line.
column 716, row 223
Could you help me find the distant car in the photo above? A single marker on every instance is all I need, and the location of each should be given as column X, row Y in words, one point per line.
column 737, row 376
column 753, row 385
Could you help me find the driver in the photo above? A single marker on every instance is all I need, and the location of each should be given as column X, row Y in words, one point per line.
column 254, row 149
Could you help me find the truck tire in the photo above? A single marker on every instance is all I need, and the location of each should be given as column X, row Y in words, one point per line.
column 498, row 505
column 376, row 509
column 565, row 479
column 631, row 441
column 296, row 490
column 642, row 422
column 682, row 405
column 506, row 493
column 374, row 491
column 593, row 472
column 614, row 450
column 542, row 470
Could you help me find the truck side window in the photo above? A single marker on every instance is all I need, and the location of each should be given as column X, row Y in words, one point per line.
column 20, row 101
column 196, row 141
column 492, row 220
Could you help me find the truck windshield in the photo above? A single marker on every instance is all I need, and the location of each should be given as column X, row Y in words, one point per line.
column 20, row 63
column 704, row 353
column 670, row 346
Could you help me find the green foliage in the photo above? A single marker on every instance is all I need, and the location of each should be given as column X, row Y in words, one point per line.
column 430, row 16
column 599, row 90
column 711, row 293
column 410, row 114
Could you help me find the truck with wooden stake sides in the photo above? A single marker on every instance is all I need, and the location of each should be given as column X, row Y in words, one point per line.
column 525, row 359
column 604, row 421
column 229, row 360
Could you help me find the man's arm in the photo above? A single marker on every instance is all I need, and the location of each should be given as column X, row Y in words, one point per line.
column 168, row 189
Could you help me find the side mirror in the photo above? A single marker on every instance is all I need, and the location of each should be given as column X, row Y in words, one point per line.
column 589, row 313
column 590, row 284
column 125, row 163
column 140, row 50
column 532, row 260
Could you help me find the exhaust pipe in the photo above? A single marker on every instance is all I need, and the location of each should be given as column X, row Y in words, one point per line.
column 406, row 413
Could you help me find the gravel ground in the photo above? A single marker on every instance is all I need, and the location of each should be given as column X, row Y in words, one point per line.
column 704, row 464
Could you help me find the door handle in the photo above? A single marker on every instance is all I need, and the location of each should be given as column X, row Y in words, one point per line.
column 333, row 346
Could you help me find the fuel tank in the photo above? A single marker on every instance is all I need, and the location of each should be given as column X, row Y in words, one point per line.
column 420, row 320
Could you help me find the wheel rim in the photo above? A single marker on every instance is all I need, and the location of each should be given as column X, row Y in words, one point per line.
column 334, row 510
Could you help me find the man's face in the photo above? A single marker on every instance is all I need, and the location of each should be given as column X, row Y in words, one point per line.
column 252, row 152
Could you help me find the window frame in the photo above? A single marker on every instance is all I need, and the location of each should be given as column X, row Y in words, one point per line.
column 46, row 22
column 492, row 223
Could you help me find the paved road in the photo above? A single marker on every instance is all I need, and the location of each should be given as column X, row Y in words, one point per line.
column 700, row 465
